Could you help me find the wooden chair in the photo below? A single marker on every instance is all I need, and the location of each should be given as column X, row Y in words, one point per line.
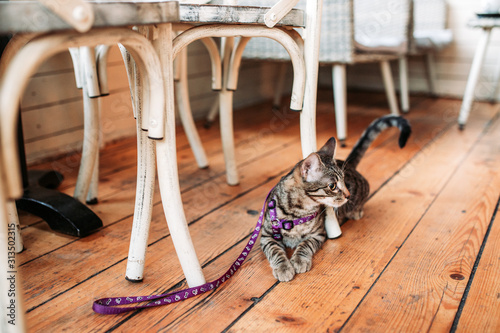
column 352, row 32
column 27, row 58
column 199, row 22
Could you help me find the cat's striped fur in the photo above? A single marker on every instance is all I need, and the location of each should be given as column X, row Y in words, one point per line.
column 315, row 182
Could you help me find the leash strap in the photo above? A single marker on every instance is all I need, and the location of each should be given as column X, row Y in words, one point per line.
column 113, row 305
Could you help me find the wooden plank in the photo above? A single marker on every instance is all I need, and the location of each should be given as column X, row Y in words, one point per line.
column 345, row 269
column 444, row 246
column 482, row 305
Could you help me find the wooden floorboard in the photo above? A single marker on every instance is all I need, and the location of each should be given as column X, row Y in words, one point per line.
column 403, row 267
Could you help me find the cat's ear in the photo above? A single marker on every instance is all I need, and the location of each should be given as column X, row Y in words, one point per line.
column 311, row 168
column 329, row 147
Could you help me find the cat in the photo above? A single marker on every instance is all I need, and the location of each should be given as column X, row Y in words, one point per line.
column 294, row 216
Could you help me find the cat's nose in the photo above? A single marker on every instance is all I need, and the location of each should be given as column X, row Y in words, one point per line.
column 347, row 194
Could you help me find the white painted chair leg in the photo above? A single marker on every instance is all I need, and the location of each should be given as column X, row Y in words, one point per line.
column 102, row 73
column 403, row 84
column 473, row 78
column 93, row 193
column 226, row 117
column 185, row 113
column 496, row 79
column 430, row 63
column 212, row 113
column 389, row 87
column 332, row 225
column 282, row 71
column 143, row 206
column 167, row 169
column 90, row 147
column 14, row 226
column 311, row 57
column 340, row 101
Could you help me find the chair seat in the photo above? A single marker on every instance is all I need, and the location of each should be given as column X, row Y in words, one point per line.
column 432, row 39
column 192, row 13
column 382, row 44
column 32, row 16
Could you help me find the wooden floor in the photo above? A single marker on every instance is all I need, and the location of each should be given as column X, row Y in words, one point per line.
column 424, row 257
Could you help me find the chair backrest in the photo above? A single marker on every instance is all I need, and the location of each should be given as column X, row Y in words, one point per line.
column 342, row 22
column 429, row 15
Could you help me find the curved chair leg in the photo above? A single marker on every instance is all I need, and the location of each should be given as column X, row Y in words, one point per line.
column 102, row 53
column 292, row 43
column 167, row 169
column 389, row 87
column 143, row 206
column 90, row 148
column 185, row 113
column 403, row 83
column 340, row 101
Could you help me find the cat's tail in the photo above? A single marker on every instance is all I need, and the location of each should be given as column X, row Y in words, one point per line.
column 375, row 128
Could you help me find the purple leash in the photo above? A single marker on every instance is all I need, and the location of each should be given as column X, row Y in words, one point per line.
column 111, row 305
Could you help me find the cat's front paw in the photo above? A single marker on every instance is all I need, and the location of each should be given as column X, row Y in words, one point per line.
column 284, row 272
column 355, row 215
column 301, row 265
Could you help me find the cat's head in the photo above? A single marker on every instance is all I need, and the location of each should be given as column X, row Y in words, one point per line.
column 322, row 178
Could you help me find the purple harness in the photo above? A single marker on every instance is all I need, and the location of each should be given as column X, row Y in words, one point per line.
column 113, row 305
column 277, row 224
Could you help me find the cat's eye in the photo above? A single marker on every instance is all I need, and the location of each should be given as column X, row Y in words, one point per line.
column 332, row 186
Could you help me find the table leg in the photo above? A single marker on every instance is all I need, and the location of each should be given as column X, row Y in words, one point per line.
column 473, row 77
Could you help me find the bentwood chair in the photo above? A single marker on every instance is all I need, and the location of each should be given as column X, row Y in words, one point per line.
column 201, row 22
column 352, row 32
column 104, row 29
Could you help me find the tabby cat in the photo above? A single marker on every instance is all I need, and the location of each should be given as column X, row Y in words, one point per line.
column 300, row 197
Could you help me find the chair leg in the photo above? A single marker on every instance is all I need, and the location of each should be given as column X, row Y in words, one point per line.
column 280, row 84
column 496, row 79
column 168, row 177
column 143, row 206
column 431, row 73
column 473, row 77
column 185, row 113
column 340, row 100
column 332, row 225
column 91, row 127
column 389, row 87
column 226, row 118
column 212, row 114
column 403, row 83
